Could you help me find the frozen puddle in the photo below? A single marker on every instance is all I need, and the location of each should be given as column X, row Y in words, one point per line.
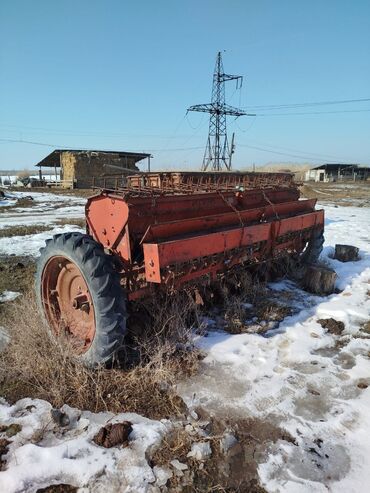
column 302, row 378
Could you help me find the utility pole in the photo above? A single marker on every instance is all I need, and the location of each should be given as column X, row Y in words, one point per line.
column 218, row 154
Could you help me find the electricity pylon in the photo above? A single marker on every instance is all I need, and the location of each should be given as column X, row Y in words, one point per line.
column 218, row 154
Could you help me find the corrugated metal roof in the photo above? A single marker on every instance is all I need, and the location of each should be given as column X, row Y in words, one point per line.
column 341, row 165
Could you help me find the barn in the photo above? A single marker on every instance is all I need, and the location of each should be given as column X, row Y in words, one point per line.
column 77, row 168
column 338, row 172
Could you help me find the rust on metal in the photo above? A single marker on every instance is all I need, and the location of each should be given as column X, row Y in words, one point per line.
column 170, row 228
column 188, row 182
column 67, row 302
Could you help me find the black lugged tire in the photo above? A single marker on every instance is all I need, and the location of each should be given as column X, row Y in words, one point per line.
column 104, row 286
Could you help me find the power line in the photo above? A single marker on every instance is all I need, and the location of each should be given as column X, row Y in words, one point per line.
column 255, row 107
column 191, row 126
column 21, row 141
column 313, row 154
column 299, row 105
column 76, row 133
column 177, row 149
column 284, row 153
column 262, row 107
column 299, row 156
column 313, row 112
column 196, row 131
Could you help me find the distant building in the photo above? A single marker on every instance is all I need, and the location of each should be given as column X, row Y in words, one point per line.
column 78, row 168
column 337, row 172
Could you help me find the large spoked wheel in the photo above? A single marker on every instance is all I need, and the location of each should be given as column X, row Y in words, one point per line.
column 79, row 294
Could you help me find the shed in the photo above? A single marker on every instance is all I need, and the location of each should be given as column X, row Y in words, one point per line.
column 338, row 172
column 77, row 168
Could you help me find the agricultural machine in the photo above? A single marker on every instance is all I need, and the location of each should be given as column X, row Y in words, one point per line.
column 163, row 231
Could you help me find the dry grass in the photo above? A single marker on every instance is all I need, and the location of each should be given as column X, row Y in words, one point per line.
column 77, row 192
column 16, row 273
column 272, row 311
column 35, row 364
column 10, row 231
column 22, row 202
column 166, row 317
column 237, row 292
column 76, row 221
column 246, row 300
column 23, row 230
column 234, row 470
column 366, row 327
column 235, row 315
column 174, row 445
column 353, row 193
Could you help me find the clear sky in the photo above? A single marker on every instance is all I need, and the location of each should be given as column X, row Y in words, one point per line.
column 110, row 74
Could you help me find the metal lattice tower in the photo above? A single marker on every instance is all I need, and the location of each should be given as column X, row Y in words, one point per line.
column 218, row 154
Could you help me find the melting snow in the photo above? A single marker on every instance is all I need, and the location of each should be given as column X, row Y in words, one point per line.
column 46, row 208
column 43, row 453
column 8, row 296
column 29, row 245
column 299, row 376
column 302, row 378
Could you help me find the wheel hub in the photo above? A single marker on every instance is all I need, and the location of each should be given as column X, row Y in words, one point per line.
column 68, row 303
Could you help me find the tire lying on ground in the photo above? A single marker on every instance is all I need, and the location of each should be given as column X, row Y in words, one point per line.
column 80, row 297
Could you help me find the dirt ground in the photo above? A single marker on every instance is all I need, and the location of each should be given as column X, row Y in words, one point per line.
column 339, row 193
column 16, row 273
column 80, row 192
column 236, row 446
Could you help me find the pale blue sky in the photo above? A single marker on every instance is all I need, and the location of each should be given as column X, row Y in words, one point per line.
column 119, row 75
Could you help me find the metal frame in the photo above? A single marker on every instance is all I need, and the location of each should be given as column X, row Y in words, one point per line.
column 167, row 229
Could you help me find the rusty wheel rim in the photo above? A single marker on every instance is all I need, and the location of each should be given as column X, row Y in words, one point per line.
column 68, row 303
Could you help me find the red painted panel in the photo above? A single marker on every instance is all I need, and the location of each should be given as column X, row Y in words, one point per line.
column 301, row 222
column 158, row 255
column 165, row 230
column 146, row 211
column 106, row 218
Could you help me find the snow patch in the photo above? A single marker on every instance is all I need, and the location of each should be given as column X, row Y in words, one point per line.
column 43, row 453
column 29, row 245
column 301, row 377
column 46, row 208
column 8, row 296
